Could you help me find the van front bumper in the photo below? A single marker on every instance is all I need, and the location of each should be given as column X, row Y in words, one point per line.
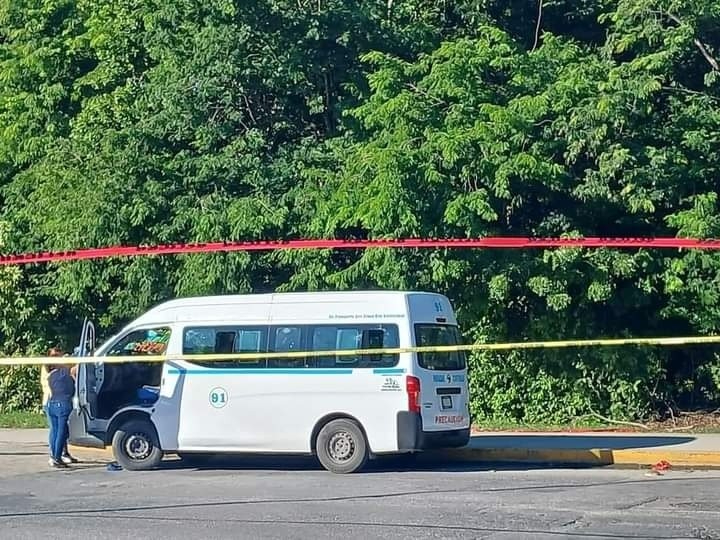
column 411, row 436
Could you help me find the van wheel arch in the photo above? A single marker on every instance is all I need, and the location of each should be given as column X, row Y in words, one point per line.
column 120, row 419
column 329, row 418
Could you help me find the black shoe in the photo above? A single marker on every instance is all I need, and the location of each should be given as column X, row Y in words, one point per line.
column 67, row 458
column 58, row 464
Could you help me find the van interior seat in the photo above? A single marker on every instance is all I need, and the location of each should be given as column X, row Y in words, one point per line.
column 147, row 395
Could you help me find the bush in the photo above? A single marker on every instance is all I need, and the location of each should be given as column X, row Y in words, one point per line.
column 558, row 386
column 20, row 389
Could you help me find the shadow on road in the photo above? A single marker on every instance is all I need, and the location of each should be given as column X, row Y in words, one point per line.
column 382, row 464
column 577, row 442
column 428, row 462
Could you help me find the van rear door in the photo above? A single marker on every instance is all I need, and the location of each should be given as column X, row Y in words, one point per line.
column 442, row 375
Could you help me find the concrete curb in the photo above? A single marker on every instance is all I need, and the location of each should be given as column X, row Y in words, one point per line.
column 681, row 458
column 596, row 457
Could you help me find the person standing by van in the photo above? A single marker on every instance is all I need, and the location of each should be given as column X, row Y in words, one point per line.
column 59, row 405
column 44, row 373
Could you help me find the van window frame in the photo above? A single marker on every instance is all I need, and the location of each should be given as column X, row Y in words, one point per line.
column 365, row 361
column 260, row 363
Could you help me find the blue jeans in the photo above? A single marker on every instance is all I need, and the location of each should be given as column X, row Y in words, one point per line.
column 50, row 433
column 59, row 414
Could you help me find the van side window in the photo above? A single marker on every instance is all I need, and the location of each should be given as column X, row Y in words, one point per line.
column 282, row 339
column 150, row 341
column 226, row 340
column 288, row 339
column 351, row 337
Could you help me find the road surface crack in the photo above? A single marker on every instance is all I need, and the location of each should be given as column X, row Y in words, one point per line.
column 637, row 504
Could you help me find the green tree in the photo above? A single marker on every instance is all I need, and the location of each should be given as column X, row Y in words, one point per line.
column 482, row 137
column 150, row 121
column 189, row 123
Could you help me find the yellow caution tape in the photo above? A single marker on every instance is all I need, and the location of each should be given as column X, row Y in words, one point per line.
column 71, row 360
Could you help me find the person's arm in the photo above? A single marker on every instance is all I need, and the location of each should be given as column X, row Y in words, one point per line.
column 44, row 383
column 73, row 371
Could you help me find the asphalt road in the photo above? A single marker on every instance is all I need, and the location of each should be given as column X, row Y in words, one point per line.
column 287, row 499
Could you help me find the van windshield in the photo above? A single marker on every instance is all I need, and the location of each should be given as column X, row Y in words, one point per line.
column 431, row 335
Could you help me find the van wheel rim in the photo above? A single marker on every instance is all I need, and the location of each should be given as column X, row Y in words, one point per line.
column 138, row 446
column 341, row 446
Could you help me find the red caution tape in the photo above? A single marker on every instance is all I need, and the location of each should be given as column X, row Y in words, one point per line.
column 271, row 245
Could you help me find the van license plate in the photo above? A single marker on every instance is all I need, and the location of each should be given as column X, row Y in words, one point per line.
column 446, row 402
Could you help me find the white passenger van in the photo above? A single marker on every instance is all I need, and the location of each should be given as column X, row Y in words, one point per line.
column 342, row 409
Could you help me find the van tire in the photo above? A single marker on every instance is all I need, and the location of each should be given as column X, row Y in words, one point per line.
column 136, row 446
column 341, row 447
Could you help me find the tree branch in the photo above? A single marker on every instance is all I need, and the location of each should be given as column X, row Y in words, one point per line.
column 249, row 109
column 428, row 95
column 699, row 44
column 611, row 421
column 706, row 53
column 683, row 428
column 689, row 92
column 539, row 22
column 329, row 124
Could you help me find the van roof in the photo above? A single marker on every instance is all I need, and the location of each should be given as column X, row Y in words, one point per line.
column 215, row 307
column 253, row 298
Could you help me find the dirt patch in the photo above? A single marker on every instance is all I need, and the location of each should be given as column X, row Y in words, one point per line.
column 692, row 422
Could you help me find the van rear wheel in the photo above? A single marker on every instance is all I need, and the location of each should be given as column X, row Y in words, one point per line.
column 136, row 446
column 341, row 447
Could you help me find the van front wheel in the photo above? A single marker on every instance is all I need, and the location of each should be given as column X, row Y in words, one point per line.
column 136, row 447
column 341, row 447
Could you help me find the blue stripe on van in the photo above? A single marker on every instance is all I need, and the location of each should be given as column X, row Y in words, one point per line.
column 388, row 371
column 264, row 371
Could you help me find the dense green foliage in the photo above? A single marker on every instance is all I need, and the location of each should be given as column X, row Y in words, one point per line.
column 155, row 121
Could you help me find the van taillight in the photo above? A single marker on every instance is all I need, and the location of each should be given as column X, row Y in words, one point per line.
column 412, row 385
